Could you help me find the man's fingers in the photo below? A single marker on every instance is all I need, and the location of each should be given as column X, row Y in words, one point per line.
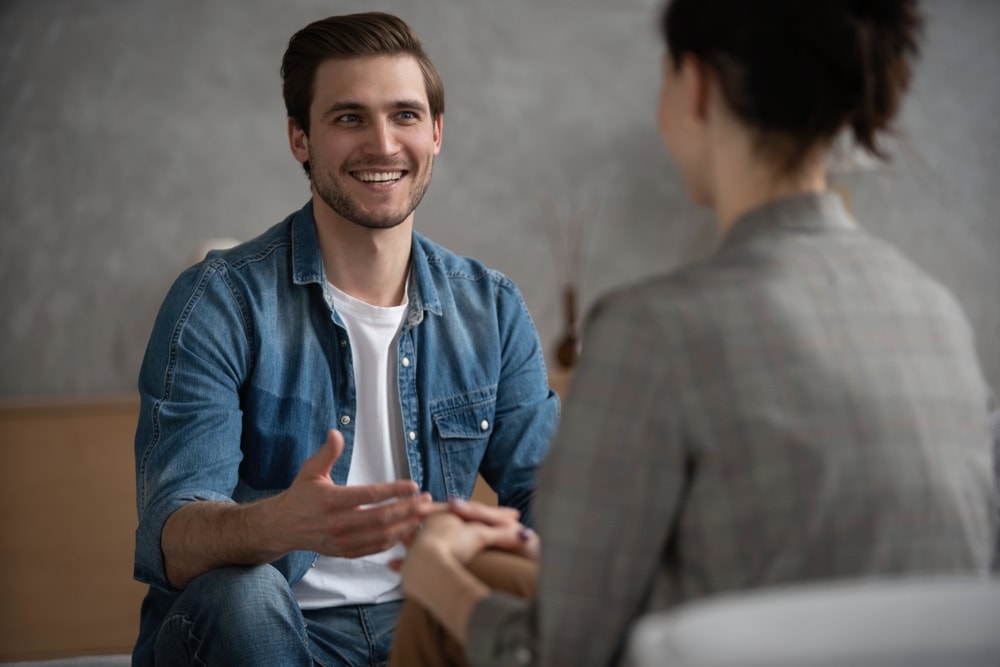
column 374, row 494
column 368, row 524
column 489, row 514
column 370, row 539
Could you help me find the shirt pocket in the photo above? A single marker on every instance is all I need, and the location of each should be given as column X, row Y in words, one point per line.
column 463, row 432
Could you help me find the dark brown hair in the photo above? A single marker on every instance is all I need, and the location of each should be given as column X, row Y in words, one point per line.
column 800, row 71
column 349, row 36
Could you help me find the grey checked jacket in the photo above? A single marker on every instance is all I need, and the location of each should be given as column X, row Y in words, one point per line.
column 803, row 404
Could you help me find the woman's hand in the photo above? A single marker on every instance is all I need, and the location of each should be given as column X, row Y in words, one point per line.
column 433, row 570
column 434, row 573
column 526, row 544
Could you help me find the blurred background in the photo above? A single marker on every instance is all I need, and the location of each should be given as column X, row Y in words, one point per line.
column 133, row 132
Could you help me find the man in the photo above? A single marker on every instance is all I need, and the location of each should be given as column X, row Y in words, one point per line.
column 264, row 534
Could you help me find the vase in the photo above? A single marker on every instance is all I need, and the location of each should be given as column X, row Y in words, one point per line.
column 568, row 348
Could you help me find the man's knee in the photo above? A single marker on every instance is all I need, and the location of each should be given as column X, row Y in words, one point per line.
column 237, row 589
column 249, row 610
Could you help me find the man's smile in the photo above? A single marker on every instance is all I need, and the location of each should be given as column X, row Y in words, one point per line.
column 378, row 176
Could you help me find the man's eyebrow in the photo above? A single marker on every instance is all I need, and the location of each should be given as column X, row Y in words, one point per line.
column 410, row 104
column 340, row 107
column 350, row 105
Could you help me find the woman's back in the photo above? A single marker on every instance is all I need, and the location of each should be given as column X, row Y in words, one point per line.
column 804, row 404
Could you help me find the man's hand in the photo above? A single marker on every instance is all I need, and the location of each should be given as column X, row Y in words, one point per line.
column 526, row 543
column 313, row 514
column 316, row 514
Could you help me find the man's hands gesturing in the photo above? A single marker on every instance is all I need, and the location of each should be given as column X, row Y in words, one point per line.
column 318, row 515
column 313, row 514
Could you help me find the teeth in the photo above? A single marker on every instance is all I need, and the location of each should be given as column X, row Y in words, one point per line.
column 379, row 176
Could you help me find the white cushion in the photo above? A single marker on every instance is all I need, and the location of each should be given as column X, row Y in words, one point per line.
column 939, row 622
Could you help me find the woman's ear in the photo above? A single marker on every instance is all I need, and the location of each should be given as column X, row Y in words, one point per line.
column 697, row 80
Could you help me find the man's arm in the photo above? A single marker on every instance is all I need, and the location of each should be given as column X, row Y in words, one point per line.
column 527, row 410
column 312, row 514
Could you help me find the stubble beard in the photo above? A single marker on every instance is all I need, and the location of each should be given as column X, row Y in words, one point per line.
column 331, row 190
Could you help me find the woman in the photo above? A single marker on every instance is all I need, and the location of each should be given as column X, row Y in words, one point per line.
column 804, row 404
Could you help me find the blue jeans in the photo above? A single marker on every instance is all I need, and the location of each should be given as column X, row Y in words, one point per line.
column 248, row 616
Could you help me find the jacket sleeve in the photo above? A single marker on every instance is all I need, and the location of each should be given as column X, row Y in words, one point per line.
column 527, row 410
column 187, row 443
column 608, row 496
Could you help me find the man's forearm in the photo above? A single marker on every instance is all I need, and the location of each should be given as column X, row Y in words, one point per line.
column 205, row 535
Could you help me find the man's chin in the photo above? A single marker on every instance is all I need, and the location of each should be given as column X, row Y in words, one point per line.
column 372, row 220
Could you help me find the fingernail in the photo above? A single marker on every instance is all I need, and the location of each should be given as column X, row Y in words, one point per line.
column 455, row 501
column 525, row 534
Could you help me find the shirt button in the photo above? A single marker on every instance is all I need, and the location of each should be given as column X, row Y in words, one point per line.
column 406, row 362
column 345, row 420
column 483, row 425
column 413, row 435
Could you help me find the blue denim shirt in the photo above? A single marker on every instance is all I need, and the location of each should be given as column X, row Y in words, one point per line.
column 248, row 367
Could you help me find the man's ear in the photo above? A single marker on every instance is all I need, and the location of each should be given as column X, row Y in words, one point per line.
column 438, row 129
column 298, row 142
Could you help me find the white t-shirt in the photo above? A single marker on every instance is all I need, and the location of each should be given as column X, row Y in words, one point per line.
column 379, row 454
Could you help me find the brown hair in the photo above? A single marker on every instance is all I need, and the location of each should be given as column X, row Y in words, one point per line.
column 800, row 71
column 349, row 36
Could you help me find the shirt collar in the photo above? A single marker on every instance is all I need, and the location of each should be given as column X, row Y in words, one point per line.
column 307, row 264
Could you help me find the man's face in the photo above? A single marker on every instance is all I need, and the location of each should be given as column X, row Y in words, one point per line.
column 372, row 139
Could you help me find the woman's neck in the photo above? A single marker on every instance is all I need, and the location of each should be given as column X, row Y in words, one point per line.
column 756, row 189
column 744, row 180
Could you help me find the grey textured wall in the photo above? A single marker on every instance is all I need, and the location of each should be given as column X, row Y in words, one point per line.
column 132, row 131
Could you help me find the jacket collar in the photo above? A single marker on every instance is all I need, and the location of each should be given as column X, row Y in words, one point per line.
column 809, row 211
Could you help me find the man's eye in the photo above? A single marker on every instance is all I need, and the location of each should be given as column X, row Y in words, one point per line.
column 349, row 118
column 407, row 115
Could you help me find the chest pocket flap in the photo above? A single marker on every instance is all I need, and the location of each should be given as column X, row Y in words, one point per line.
column 469, row 422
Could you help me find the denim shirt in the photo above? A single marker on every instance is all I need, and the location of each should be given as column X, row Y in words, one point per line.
column 248, row 367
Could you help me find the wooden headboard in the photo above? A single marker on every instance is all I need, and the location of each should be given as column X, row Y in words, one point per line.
column 67, row 528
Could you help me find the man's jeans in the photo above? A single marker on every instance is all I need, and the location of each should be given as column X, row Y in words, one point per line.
column 248, row 616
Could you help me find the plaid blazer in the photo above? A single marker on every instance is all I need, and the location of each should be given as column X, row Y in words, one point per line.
column 803, row 404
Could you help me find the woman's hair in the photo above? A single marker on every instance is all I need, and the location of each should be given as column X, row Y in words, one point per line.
column 800, row 71
column 349, row 36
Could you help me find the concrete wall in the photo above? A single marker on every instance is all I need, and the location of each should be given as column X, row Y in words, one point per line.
column 132, row 131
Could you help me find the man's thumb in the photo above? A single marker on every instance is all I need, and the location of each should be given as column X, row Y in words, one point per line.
column 320, row 463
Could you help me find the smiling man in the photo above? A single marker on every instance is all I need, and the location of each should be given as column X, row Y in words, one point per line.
column 310, row 396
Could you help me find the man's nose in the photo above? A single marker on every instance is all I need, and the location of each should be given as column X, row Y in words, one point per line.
column 382, row 138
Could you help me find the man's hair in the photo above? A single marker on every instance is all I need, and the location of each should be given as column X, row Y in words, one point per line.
column 350, row 36
column 799, row 71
